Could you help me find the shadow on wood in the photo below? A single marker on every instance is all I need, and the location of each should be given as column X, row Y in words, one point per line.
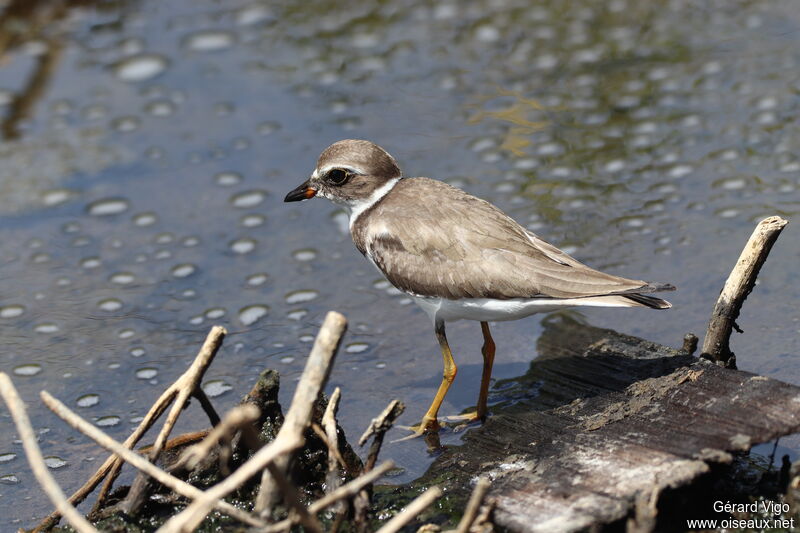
column 602, row 421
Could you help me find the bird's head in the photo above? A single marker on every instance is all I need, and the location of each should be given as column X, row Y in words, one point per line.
column 347, row 173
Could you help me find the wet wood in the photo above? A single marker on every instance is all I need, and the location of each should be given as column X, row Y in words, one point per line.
column 603, row 420
column 740, row 282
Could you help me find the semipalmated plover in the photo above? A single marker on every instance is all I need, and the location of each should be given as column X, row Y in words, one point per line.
column 456, row 255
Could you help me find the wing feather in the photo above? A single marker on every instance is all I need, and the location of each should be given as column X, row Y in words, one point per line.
column 435, row 240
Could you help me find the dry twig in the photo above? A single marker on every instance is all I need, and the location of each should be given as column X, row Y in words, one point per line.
column 474, row 505
column 332, row 439
column 137, row 461
column 378, row 427
column 223, row 432
column 184, row 387
column 420, row 503
column 109, row 470
column 289, row 438
column 310, row 385
column 348, row 490
column 35, row 459
column 737, row 287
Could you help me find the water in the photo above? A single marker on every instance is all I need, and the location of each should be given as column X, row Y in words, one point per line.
column 147, row 146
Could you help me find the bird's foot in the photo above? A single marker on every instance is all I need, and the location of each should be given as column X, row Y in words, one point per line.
column 428, row 426
column 466, row 418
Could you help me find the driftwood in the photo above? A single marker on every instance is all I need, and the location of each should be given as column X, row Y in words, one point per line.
column 740, row 282
column 602, row 418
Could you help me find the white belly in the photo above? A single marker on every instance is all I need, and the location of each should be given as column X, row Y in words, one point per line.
column 490, row 310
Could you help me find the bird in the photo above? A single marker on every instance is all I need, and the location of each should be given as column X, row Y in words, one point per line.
column 457, row 256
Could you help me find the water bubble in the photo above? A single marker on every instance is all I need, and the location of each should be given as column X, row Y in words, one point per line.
column 297, row 314
column 679, row 171
column 6, row 457
column 184, row 270
column 215, row 312
column 138, row 351
column 90, row 262
column 56, row 196
column 27, row 370
column 248, row 199
column 216, row 387
column 88, row 400
column 253, row 14
column 110, row 304
column 227, row 179
column 108, row 421
column 108, row 206
column 164, row 238
column 122, row 278
column 297, row 297
column 54, row 462
column 11, row 311
column 47, row 327
column 160, row 108
column 287, row 359
column 252, row 221
column 126, row 124
column 9, row 479
column 146, row 373
column 342, row 221
column 356, row 347
column 145, row 219
column 209, row 41
column 126, row 334
column 251, row 314
column 243, row 246
column 306, row 254
column 256, row 280
column 140, row 67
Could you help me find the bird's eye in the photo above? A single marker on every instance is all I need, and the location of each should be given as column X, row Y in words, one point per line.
column 337, row 176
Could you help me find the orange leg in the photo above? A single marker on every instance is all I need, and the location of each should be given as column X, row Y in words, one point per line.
column 430, row 421
column 488, row 360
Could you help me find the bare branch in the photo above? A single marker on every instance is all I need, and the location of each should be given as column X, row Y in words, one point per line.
column 348, row 490
column 137, row 461
column 474, row 505
column 292, row 498
column 35, row 459
column 332, row 439
column 235, row 419
column 290, row 437
column 186, row 386
column 740, row 282
column 109, row 470
column 310, row 385
column 420, row 503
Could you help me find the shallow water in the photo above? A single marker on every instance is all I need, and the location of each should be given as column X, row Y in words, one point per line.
column 147, row 147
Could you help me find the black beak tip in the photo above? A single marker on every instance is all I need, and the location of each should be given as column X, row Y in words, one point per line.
column 303, row 192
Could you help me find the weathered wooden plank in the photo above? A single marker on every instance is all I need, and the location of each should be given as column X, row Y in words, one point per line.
column 601, row 419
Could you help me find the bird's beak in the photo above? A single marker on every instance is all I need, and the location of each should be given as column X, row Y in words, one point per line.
column 303, row 192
